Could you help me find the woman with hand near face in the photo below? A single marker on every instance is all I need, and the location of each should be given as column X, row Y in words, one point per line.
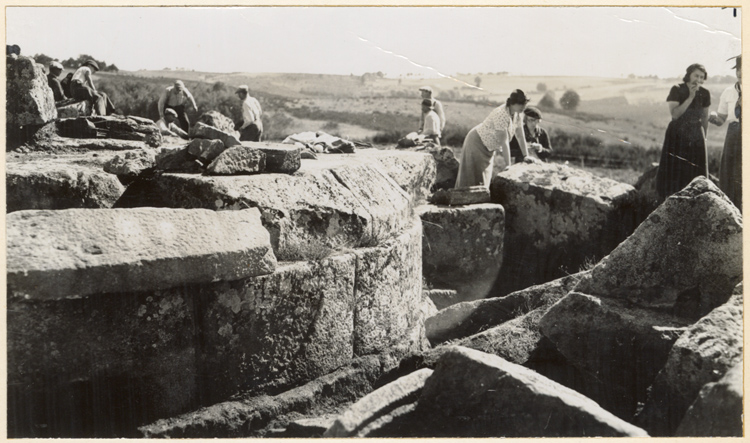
column 683, row 156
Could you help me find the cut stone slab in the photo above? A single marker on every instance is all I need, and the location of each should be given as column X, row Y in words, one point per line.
column 29, row 99
column 238, row 160
column 473, row 394
column 277, row 330
column 702, row 354
column 470, row 195
column 717, row 412
column 354, row 421
column 70, row 145
column 685, row 257
column 131, row 163
column 413, row 171
column 462, row 248
column 280, row 158
column 468, row 318
column 43, row 183
column 621, row 345
column 557, row 219
column 318, row 209
column 202, row 130
column 206, row 150
column 177, row 159
column 78, row 252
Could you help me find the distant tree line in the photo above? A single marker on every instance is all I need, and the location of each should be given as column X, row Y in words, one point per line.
column 74, row 63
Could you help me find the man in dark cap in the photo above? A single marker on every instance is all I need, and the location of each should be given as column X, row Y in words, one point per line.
column 251, row 126
column 168, row 125
column 82, row 88
column 55, row 69
column 177, row 97
column 431, row 128
column 537, row 138
column 437, row 106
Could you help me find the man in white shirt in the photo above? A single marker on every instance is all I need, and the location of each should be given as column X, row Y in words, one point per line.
column 82, row 88
column 168, row 124
column 176, row 97
column 251, row 127
column 431, row 127
column 426, row 92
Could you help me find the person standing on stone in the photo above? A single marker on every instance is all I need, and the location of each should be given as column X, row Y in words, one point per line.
column 730, row 110
column 491, row 136
column 683, row 155
column 431, row 128
column 536, row 137
column 177, row 97
column 55, row 69
column 82, row 88
column 426, row 92
column 251, row 126
column 169, row 124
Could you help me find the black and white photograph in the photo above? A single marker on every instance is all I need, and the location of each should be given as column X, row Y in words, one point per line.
column 373, row 221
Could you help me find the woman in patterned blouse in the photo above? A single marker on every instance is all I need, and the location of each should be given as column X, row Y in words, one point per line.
column 491, row 136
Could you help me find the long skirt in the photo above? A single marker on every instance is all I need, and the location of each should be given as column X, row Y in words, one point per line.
column 683, row 157
column 100, row 102
column 730, row 172
column 475, row 165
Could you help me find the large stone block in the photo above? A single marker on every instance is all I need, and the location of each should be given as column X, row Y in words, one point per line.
column 43, row 183
column 717, row 412
column 702, row 354
column 28, row 97
column 685, row 257
column 622, row 346
column 462, row 247
column 202, row 130
column 131, row 163
column 99, row 366
column 238, row 160
column 473, row 394
column 218, row 121
column 557, row 218
column 205, row 149
column 59, row 145
column 388, row 295
column 77, row 252
column 326, row 205
column 413, row 171
column 274, row 331
column 280, row 158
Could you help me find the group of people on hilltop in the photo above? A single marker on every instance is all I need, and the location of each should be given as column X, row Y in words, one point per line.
column 173, row 103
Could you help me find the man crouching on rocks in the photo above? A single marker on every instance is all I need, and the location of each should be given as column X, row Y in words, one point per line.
column 251, row 126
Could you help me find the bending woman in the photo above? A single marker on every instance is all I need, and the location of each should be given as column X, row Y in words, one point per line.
column 490, row 136
column 683, row 156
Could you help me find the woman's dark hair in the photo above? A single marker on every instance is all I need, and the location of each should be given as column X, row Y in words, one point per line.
column 517, row 97
column 694, row 67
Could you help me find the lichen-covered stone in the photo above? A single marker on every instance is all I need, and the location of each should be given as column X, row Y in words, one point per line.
column 238, row 160
column 280, row 158
column 77, row 252
column 277, row 330
column 474, row 394
column 28, row 97
column 557, row 218
column 702, row 354
column 685, row 257
column 621, row 345
column 202, row 130
column 44, row 183
column 413, row 171
column 462, row 248
column 131, row 163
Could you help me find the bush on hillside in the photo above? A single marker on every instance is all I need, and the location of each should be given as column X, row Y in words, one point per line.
column 547, row 101
column 570, row 100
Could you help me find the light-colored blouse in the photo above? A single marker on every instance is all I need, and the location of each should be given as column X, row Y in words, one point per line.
column 489, row 130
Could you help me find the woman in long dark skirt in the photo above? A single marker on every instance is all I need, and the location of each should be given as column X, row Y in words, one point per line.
column 730, row 111
column 683, row 156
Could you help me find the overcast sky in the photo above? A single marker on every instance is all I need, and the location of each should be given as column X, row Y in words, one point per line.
column 579, row 41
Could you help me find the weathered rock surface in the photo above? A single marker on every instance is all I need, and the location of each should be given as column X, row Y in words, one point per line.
column 446, row 165
column 43, row 183
column 442, row 298
column 59, row 145
column 131, row 163
column 471, row 317
column 718, row 410
column 74, row 110
column 206, row 150
column 28, row 99
column 470, row 195
column 556, row 219
column 462, row 248
column 238, row 160
column 703, row 354
column 202, row 130
column 371, row 412
column 218, row 121
column 685, row 257
column 328, row 204
column 177, row 159
column 473, row 394
column 280, row 158
column 77, row 252
column 113, row 127
column 414, row 172
column 621, row 345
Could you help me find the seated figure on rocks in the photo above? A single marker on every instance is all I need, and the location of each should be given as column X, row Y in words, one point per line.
column 251, row 126
column 55, row 69
column 65, row 83
column 537, row 139
column 431, row 127
column 177, row 97
column 82, row 88
column 168, row 124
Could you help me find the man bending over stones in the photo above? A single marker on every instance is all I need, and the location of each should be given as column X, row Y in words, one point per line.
column 168, row 124
column 251, row 126
column 176, row 97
